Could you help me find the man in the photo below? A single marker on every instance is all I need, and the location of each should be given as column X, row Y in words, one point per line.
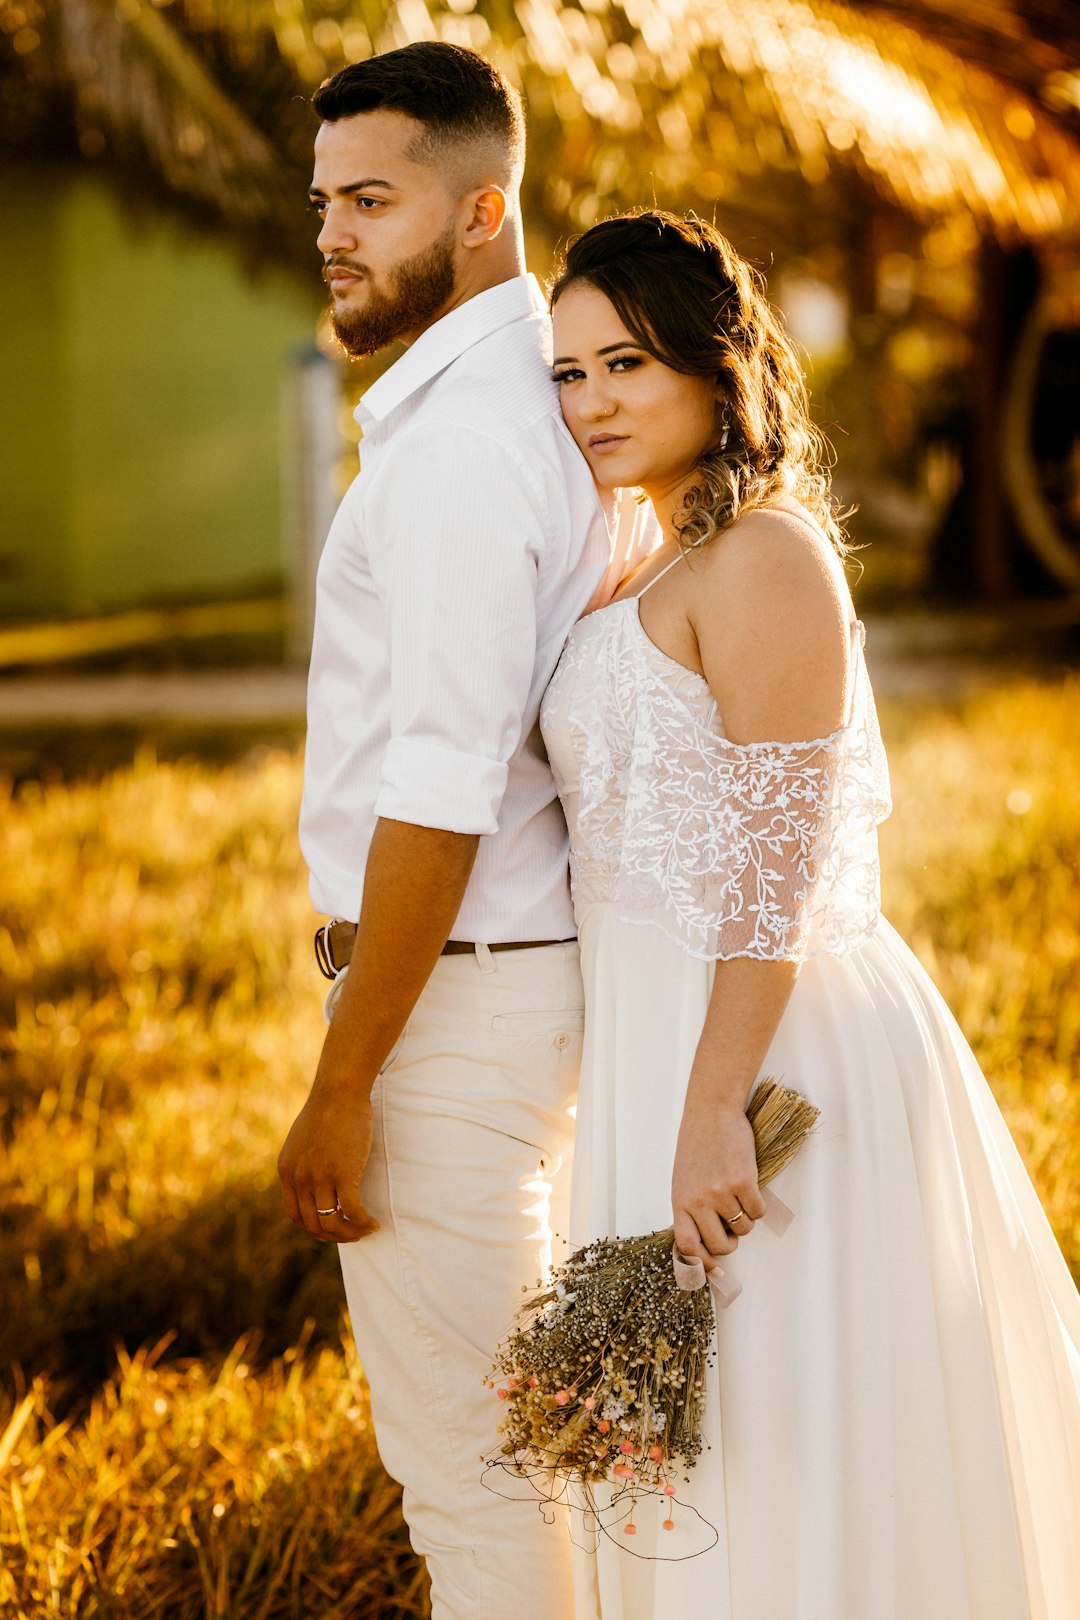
column 434, row 1144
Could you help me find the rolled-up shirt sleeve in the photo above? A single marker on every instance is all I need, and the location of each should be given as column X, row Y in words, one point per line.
column 456, row 572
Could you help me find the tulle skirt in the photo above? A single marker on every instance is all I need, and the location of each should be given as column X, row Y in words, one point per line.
column 893, row 1419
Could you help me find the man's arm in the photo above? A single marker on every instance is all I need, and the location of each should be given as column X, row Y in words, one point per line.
column 457, row 577
column 413, row 889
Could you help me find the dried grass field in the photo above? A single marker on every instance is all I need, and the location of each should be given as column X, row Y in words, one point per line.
column 183, row 1432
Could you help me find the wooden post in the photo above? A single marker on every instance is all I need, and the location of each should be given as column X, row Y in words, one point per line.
column 989, row 539
column 310, row 452
column 1008, row 286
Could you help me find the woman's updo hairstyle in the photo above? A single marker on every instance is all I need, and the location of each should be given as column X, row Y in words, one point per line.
column 691, row 301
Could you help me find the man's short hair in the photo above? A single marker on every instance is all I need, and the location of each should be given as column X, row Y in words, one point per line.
column 473, row 119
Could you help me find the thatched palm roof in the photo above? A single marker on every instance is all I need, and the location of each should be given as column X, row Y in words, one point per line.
column 1031, row 45
column 139, row 89
column 937, row 106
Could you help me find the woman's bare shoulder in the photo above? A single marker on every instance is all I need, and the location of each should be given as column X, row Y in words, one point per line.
column 776, row 556
column 772, row 613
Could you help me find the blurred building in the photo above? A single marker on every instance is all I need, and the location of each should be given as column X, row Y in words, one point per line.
column 140, row 412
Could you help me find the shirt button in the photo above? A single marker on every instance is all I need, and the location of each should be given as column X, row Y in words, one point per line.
column 562, row 1041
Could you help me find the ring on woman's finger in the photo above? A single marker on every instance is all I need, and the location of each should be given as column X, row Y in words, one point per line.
column 335, row 1211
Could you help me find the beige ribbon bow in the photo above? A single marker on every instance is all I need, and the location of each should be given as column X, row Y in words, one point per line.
column 691, row 1274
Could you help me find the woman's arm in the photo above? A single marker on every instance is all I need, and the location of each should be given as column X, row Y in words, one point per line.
column 715, row 1171
column 770, row 612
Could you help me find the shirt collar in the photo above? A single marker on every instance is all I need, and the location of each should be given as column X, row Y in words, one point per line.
column 444, row 342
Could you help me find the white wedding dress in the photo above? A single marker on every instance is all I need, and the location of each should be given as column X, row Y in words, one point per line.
column 893, row 1419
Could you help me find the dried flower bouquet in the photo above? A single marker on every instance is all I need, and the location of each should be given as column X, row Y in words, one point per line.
column 603, row 1373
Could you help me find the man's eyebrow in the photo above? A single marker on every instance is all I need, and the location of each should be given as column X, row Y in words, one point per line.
column 611, row 348
column 354, row 186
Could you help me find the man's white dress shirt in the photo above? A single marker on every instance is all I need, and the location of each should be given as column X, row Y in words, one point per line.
column 466, row 547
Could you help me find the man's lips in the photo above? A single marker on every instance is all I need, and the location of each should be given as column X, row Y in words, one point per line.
column 340, row 278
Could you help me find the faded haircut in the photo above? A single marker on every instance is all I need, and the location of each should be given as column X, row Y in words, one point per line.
column 474, row 125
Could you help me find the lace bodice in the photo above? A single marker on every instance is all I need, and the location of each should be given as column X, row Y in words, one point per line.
column 765, row 850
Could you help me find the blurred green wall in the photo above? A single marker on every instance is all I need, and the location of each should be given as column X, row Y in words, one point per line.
column 140, row 386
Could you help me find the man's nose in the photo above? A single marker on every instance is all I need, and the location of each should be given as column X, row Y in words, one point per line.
column 335, row 232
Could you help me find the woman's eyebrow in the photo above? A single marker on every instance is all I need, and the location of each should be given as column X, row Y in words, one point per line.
column 565, row 359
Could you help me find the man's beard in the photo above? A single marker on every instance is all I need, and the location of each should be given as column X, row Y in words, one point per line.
column 418, row 289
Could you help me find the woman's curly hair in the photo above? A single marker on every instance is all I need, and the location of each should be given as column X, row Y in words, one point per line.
column 691, row 301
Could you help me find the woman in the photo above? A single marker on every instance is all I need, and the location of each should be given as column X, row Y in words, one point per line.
column 894, row 1414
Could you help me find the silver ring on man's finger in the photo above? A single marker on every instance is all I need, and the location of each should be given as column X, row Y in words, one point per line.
column 335, row 1211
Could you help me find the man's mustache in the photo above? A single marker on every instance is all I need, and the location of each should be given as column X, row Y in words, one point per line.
column 344, row 264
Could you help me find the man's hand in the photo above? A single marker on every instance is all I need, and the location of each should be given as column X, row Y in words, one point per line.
column 321, row 1164
column 413, row 887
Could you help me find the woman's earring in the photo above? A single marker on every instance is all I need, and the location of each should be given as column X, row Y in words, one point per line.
column 725, row 423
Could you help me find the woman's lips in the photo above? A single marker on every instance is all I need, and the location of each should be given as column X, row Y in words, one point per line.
column 603, row 444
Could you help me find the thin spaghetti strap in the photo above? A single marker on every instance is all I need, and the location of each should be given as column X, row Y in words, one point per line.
column 660, row 575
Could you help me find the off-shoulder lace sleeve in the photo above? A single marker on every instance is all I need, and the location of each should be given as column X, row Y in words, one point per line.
column 766, row 850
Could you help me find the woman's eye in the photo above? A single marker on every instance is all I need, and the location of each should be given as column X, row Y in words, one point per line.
column 570, row 375
column 624, row 362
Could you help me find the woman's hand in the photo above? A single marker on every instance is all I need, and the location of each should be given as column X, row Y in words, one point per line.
column 715, row 1176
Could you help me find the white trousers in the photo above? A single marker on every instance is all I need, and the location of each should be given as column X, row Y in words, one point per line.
column 469, row 1177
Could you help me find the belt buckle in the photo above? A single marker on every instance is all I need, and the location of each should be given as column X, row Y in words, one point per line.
column 324, row 951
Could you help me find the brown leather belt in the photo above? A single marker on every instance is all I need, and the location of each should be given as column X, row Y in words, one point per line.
column 334, row 946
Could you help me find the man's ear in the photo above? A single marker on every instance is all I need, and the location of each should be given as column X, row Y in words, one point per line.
column 486, row 217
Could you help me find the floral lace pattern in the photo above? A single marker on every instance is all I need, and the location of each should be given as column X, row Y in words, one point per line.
column 766, row 850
